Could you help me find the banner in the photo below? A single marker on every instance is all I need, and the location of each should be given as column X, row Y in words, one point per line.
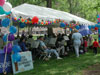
column 25, row 64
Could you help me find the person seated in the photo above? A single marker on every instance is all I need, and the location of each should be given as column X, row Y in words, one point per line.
column 22, row 44
column 46, row 49
column 60, row 46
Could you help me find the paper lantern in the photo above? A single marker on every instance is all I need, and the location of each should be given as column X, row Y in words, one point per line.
column 15, row 18
column 16, row 48
column 22, row 25
column 2, row 2
column 22, row 20
column 77, row 27
column 16, row 57
column 5, row 22
column 42, row 22
column 35, row 19
column 12, row 29
column 62, row 25
column 8, row 48
column 96, row 28
column 7, row 7
column 11, row 37
column 1, row 11
column 98, row 19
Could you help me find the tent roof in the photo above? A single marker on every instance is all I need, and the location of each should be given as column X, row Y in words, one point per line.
column 28, row 11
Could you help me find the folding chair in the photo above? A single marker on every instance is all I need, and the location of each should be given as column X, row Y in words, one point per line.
column 34, row 46
column 52, row 42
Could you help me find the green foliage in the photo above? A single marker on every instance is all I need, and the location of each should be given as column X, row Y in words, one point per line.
column 84, row 8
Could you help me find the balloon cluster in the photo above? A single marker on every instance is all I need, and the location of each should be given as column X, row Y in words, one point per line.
column 10, row 37
column 16, row 56
column 5, row 7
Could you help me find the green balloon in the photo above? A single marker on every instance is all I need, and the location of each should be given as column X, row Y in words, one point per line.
column 1, row 11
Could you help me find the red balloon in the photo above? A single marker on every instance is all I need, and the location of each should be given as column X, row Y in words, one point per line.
column 96, row 28
column 35, row 19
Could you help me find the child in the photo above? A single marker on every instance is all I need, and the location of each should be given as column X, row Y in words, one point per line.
column 85, row 45
column 95, row 46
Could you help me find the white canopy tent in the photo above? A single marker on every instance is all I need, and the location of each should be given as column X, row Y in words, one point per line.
column 28, row 11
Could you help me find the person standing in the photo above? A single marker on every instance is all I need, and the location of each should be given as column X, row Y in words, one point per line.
column 95, row 46
column 76, row 41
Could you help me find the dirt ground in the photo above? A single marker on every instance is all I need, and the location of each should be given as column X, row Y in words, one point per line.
column 92, row 70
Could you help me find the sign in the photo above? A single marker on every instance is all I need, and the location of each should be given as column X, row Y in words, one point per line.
column 8, row 67
column 25, row 64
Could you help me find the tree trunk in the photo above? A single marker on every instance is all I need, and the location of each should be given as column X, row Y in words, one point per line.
column 70, row 5
column 49, row 3
column 50, row 31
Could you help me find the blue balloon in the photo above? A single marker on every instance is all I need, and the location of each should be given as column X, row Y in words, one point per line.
column 5, row 37
column 89, row 27
column 22, row 25
column 8, row 13
column 5, row 22
column 97, row 25
column 97, row 16
column 62, row 25
column 16, row 48
column 16, row 57
column 1, row 11
column 77, row 27
column 12, row 29
column 70, row 29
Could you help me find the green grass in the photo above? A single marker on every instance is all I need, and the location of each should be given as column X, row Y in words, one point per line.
column 69, row 65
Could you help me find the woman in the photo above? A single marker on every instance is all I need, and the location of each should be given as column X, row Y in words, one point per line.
column 76, row 41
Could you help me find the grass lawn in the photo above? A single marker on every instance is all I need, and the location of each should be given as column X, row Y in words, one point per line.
column 69, row 65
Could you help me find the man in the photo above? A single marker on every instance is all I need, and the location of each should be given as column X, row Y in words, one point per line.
column 76, row 41
column 47, row 50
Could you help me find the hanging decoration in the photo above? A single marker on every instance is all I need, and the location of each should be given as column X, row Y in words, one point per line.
column 5, row 22
column 2, row 2
column 98, row 25
column 12, row 29
column 8, row 47
column 35, row 19
column 7, row 7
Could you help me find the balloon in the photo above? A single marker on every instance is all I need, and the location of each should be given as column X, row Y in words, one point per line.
column 97, row 25
column 16, row 48
column 11, row 37
column 22, row 25
column 2, row 2
column 77, row 27
column 8, row 13
column 1, row 11
column 62, row 25
column 16, row 57
column 97, row 16
column 98, row 19
column 12, row 29
column 7, row 7
column 96, row 28
column 35, row 19
column 5, row 22
column 8, row 48
column 5, row 37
